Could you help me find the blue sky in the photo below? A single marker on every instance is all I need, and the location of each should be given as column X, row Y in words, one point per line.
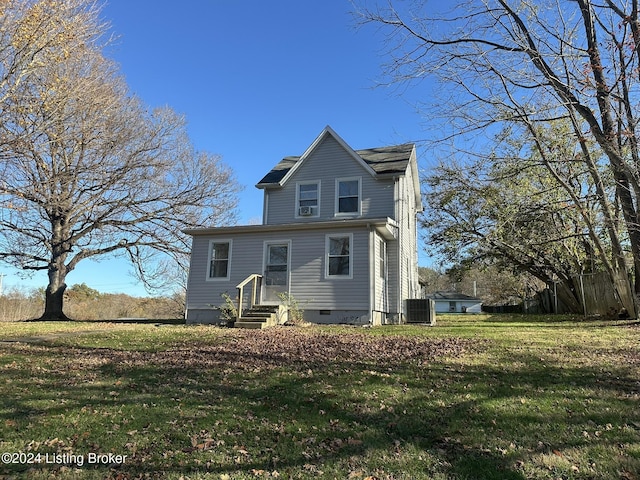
column 256, row 81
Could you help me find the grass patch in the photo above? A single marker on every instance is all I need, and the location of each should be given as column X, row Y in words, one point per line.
column 504, row 397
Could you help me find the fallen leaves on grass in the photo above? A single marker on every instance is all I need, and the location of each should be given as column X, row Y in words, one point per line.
column 277, row 347
column 288, row 347
column 254, row 350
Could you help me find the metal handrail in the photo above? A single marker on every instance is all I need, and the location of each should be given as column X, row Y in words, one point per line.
column 254, row 277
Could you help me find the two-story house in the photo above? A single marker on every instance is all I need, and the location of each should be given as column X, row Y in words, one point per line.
column 339, row 234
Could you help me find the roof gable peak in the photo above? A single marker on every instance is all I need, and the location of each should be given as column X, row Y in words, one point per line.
column 327, row 131
column 380, row 161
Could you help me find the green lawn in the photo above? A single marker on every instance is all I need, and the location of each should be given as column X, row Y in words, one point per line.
column 474, row 397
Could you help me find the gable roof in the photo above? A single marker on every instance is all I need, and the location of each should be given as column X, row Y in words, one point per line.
column 452, row 296
column 392, row 160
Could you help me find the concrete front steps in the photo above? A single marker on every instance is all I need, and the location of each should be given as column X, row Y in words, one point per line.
column 262, row 316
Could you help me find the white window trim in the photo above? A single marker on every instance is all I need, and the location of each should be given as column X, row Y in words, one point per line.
column 297, row 204
column 327, row 239
column 219, row 279
column 358, row 213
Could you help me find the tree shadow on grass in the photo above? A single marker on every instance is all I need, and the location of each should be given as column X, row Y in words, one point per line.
column 331, row 418
column 534, row 320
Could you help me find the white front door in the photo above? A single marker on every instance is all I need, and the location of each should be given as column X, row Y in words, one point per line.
column 276, row 271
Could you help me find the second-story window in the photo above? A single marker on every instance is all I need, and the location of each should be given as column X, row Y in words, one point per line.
column 348, row 196
column 308, row 199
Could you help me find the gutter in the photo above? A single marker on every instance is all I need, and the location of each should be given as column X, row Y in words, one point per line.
column 386, row 226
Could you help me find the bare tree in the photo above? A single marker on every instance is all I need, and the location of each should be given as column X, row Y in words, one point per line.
column 87, row 170
column 32, row 31
column 510, row 212
column 531, row 63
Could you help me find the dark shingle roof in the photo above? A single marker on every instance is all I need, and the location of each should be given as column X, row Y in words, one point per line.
column 278, row 172
column 392, row 159
column 383, row 160
column 451, row 296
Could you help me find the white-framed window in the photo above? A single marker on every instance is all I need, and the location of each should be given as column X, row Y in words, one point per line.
column 219, row 262
column 339, row 256
column 308, row 199
column 348, row 196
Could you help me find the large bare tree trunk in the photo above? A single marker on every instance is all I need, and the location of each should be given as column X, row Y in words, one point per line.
column 54, row 300
column 54, row 294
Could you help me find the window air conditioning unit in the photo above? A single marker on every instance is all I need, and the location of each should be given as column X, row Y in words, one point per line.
column 305, row 211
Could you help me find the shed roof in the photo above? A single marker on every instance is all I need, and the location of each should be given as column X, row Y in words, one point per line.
column 385, row 226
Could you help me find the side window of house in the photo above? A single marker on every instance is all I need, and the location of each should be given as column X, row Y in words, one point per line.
column 339, row 256
column 308, row 199
column 219, row 258
column 347, row 196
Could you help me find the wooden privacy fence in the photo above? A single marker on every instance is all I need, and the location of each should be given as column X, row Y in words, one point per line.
column 598, row 294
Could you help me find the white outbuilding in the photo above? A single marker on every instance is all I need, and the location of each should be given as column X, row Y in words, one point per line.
column 454, row 302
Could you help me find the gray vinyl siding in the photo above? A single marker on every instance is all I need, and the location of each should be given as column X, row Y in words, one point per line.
column 393, row 256
column 403, row 239
column 246, row 258
column 377, row 279
column 326, row 163
column 308, row 283
column 412, row 236
column 407, row 266
column 381, row 304
column 326, row 299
